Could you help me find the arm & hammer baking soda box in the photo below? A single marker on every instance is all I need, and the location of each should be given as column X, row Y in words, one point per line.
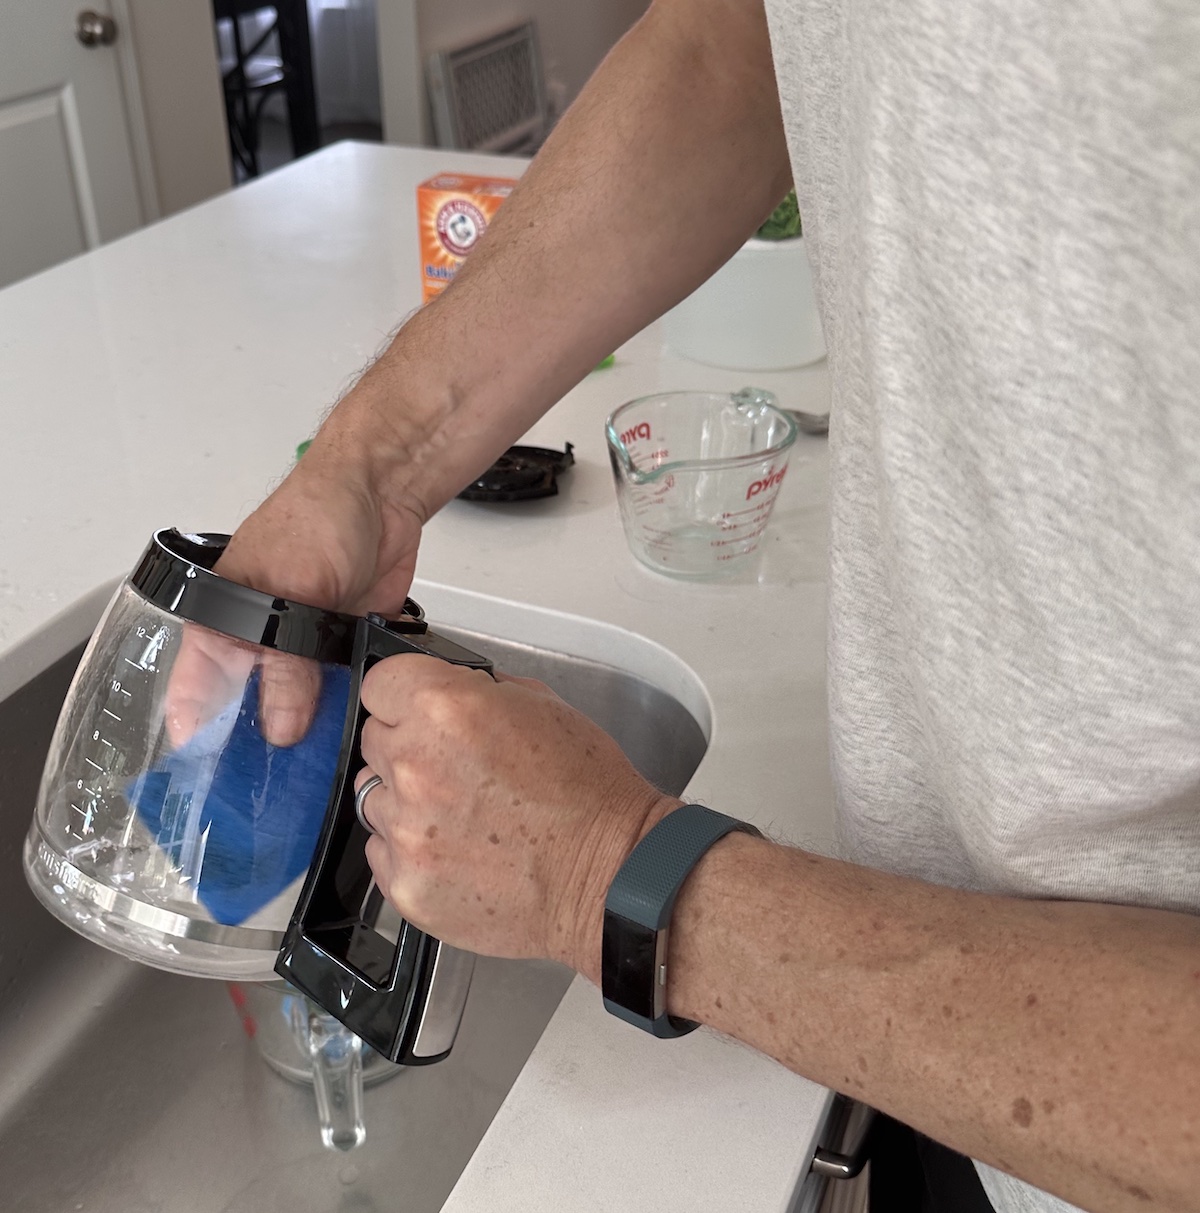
column 453, row 211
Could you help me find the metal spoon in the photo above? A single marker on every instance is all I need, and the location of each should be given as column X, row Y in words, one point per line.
column 810, row 423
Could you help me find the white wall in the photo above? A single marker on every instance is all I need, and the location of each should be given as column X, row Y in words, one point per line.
column 574, row 36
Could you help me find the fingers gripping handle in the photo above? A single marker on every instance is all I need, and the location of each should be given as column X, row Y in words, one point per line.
column 400, row 995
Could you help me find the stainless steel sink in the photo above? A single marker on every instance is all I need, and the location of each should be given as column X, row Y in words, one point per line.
column 128, row 1090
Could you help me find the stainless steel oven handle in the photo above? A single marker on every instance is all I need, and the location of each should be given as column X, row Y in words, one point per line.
column 855, row 1120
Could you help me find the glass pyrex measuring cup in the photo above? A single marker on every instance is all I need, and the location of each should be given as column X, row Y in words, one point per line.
column 308, row 1046
column 697, row 475
column 173, row 828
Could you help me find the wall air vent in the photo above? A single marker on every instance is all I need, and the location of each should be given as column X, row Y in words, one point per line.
column 489, row 96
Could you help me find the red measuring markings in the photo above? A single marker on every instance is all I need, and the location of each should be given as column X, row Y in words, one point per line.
column 238, row 998
column 656, row 537
column 647, row 500
column 739, row 520
column 754, row 534
column 731, row 522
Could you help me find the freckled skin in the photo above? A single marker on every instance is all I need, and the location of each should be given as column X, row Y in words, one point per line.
column 952, row 980
column 535, row 828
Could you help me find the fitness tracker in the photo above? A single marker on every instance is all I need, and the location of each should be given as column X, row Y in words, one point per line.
column 637, row 915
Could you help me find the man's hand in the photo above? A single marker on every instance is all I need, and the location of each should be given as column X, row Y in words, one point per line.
column 503, row 814
column 331, row 534
column 329, row 537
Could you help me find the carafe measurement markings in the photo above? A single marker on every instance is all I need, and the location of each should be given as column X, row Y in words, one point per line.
column 108, row 751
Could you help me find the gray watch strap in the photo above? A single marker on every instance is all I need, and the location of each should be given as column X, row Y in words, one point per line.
column 637, row 914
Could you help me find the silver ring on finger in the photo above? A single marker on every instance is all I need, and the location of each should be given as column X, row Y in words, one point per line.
column 360, row 800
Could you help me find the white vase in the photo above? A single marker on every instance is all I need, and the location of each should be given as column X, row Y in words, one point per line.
column 756, row 313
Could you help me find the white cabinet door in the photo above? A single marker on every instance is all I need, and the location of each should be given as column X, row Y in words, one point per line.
column 67, row 175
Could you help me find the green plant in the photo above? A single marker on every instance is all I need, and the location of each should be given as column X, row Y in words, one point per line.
column 783, row 223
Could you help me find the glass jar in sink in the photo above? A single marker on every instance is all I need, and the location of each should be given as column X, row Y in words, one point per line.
column 305, row 1044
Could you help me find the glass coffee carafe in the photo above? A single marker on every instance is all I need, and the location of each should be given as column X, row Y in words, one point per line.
column 197, row 807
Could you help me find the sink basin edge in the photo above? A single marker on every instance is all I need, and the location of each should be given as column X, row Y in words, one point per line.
column 577, row 635
column 70, row 627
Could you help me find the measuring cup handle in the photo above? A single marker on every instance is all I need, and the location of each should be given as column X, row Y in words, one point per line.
column 336, row 1056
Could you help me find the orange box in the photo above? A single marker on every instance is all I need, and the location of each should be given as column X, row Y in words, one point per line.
column 453, row 211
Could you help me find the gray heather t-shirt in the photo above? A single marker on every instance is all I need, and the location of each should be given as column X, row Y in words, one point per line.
column 1001, row 201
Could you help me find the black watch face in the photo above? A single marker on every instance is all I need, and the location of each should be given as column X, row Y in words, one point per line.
column 627, row 964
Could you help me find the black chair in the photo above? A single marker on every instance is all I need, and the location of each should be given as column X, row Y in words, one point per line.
column 276, row 58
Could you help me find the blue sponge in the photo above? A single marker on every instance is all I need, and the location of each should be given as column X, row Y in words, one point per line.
column 237, row 817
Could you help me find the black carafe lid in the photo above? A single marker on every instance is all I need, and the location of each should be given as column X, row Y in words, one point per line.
column 521, row 474
column 176, row 574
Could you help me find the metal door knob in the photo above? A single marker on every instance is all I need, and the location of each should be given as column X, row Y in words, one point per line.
column 95, row 29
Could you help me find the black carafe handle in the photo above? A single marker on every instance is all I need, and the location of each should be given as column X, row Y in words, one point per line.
column 384, row 992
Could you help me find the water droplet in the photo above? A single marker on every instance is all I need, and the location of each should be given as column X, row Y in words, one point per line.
column 348, row 1175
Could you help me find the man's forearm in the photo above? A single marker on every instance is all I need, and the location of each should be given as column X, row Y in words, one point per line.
column 669, row 158
column 1059, row 1041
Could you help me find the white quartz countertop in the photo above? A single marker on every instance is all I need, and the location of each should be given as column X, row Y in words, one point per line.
column 165, row 380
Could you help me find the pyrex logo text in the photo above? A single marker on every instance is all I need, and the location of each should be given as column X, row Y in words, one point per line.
column 771, row 480
column 641, row 430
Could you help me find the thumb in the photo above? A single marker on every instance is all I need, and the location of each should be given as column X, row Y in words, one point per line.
column 287, row 700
